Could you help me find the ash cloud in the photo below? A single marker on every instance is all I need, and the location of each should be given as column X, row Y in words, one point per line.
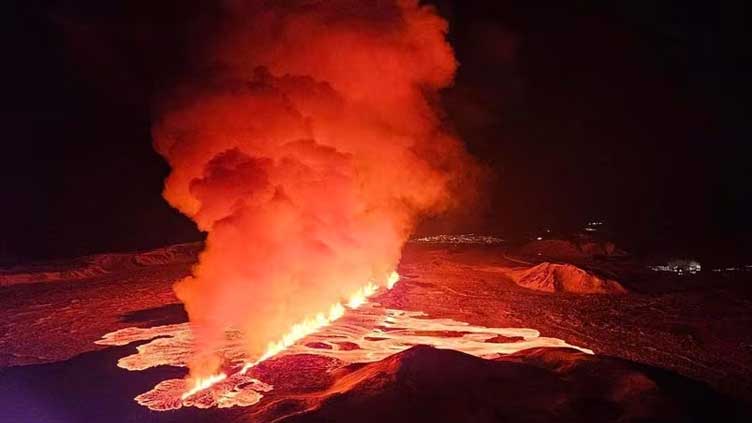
column 307, row 144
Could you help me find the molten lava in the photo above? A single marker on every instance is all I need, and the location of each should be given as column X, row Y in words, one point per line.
column 363, row 335
column 307, row 143
column 298, row 332
column 205, row 383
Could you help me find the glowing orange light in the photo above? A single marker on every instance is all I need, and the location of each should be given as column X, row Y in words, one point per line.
column 300, row 331
column 394, row 277
column 312, row 325
column 204, row 383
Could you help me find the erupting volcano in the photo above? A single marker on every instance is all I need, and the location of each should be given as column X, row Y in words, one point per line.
column 365, row 335
column 372, row 211
column 296, row 333
column 306, row 144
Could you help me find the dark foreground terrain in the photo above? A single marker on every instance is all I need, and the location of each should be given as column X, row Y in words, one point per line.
column 669, row 349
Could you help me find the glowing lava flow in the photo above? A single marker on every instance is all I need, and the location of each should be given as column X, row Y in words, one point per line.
column 298, row 332
column 394, row 277
column 204, row 383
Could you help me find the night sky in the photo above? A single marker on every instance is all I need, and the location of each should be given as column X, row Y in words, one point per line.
column 633, row 113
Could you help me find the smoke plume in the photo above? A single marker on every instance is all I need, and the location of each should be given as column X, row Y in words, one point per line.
column 306, row 143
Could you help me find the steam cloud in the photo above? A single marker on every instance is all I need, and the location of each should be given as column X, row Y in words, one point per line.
column 307, row 144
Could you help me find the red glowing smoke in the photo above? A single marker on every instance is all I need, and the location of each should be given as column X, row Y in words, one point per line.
column 306, row 146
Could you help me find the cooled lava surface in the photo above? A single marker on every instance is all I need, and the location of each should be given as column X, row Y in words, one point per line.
column 456, row 340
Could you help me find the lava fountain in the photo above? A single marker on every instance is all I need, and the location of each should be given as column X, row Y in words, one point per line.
column 296, row 333
column 366, row 333
column 306, row 142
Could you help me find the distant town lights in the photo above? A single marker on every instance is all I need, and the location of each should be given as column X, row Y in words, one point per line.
column 679, row 267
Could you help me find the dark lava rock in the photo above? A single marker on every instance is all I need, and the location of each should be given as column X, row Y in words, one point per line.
column 537, row 385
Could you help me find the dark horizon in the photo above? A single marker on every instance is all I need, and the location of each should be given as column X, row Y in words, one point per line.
column 630, row 114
